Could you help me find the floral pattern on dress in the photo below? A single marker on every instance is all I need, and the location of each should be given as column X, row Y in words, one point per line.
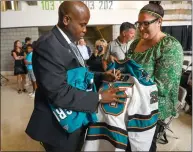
column 164, row 63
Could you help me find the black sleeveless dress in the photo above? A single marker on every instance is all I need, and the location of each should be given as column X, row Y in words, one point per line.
column 19, row 66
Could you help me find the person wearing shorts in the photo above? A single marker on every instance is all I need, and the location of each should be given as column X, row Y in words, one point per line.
column 28, row 62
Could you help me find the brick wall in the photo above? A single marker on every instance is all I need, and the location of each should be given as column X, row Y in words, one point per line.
column 8, row 36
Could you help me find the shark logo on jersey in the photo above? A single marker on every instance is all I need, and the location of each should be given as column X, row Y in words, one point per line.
column 144, row 75
column 154, row 97
column 122, row 69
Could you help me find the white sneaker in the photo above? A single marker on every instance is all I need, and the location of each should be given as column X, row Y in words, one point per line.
column 27, row 84
column 32, row 95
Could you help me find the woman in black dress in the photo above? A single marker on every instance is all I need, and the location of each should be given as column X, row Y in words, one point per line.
column 95, row 61
column 19, row 67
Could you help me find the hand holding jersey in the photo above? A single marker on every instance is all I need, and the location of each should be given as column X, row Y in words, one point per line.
column 112, row 75
column 110, row 95
column 128, row 125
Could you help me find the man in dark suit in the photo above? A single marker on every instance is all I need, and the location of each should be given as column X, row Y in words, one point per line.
column 53, row 55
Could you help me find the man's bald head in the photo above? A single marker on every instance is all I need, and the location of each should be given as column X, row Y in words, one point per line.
column 73, row 19
column 72, row 8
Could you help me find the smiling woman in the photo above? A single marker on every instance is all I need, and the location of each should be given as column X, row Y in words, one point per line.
column 161, row 55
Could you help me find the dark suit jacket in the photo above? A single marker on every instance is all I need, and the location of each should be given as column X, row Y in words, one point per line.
column 52, row 57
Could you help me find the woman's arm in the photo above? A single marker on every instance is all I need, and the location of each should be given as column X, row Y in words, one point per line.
column 167, row 72
column 17, row 57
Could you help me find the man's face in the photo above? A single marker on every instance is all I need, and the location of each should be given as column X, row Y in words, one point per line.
column 130, row 34
column 81, row 42
column 28, row 42
column 76, row 25
column 29, row 49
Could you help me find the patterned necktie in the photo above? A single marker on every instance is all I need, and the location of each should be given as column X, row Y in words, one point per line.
column 77, row 53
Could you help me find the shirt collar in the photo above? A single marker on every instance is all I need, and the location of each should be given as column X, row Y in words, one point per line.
column 122, row 43
column 64, row 35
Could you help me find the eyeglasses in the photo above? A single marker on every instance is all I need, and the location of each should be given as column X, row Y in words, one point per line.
column 145, row 23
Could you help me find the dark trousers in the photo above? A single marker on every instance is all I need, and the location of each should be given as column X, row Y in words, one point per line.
column 52, row 148
column 153, row 147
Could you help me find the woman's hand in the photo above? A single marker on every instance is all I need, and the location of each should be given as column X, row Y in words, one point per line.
column 112, row 75
column 95, row 52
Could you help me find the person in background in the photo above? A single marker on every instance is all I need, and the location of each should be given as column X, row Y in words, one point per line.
column 27, row 41
column 28, row 62
column 189, row 93
column 83, row 49
column 161, row 55
column 88, row 48
column 19, row 66
column 54, row 55
column 95, row 61
column 119, row 47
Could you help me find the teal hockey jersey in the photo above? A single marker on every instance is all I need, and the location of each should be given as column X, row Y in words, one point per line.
column 82, row 79
column 131, row 123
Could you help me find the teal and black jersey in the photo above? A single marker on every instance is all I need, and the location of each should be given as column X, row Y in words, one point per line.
column 131, row 122
column 82, row 79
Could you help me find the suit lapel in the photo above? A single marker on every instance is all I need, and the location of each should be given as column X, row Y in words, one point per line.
column 63, row 41
column 59, row 36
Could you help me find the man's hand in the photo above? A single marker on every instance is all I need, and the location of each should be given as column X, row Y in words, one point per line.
column 112, row 75
column 109, row 95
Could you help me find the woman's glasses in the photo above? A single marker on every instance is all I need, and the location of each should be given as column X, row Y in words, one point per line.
column 145, row 24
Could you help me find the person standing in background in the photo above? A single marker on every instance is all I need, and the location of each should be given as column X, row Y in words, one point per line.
column 28, row 40
column 28, row 62
column 95, row 61
column 119, row 47
column 83, row 49
column 19, row 66
column 88, row 48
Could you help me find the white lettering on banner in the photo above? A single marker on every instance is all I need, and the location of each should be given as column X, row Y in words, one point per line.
column 92, row 5
column 105, row 4
column 100, row 5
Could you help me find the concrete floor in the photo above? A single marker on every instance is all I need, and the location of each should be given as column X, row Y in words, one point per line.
column 16, row 110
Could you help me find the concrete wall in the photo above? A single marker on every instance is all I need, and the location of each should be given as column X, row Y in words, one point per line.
column 8, row 36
